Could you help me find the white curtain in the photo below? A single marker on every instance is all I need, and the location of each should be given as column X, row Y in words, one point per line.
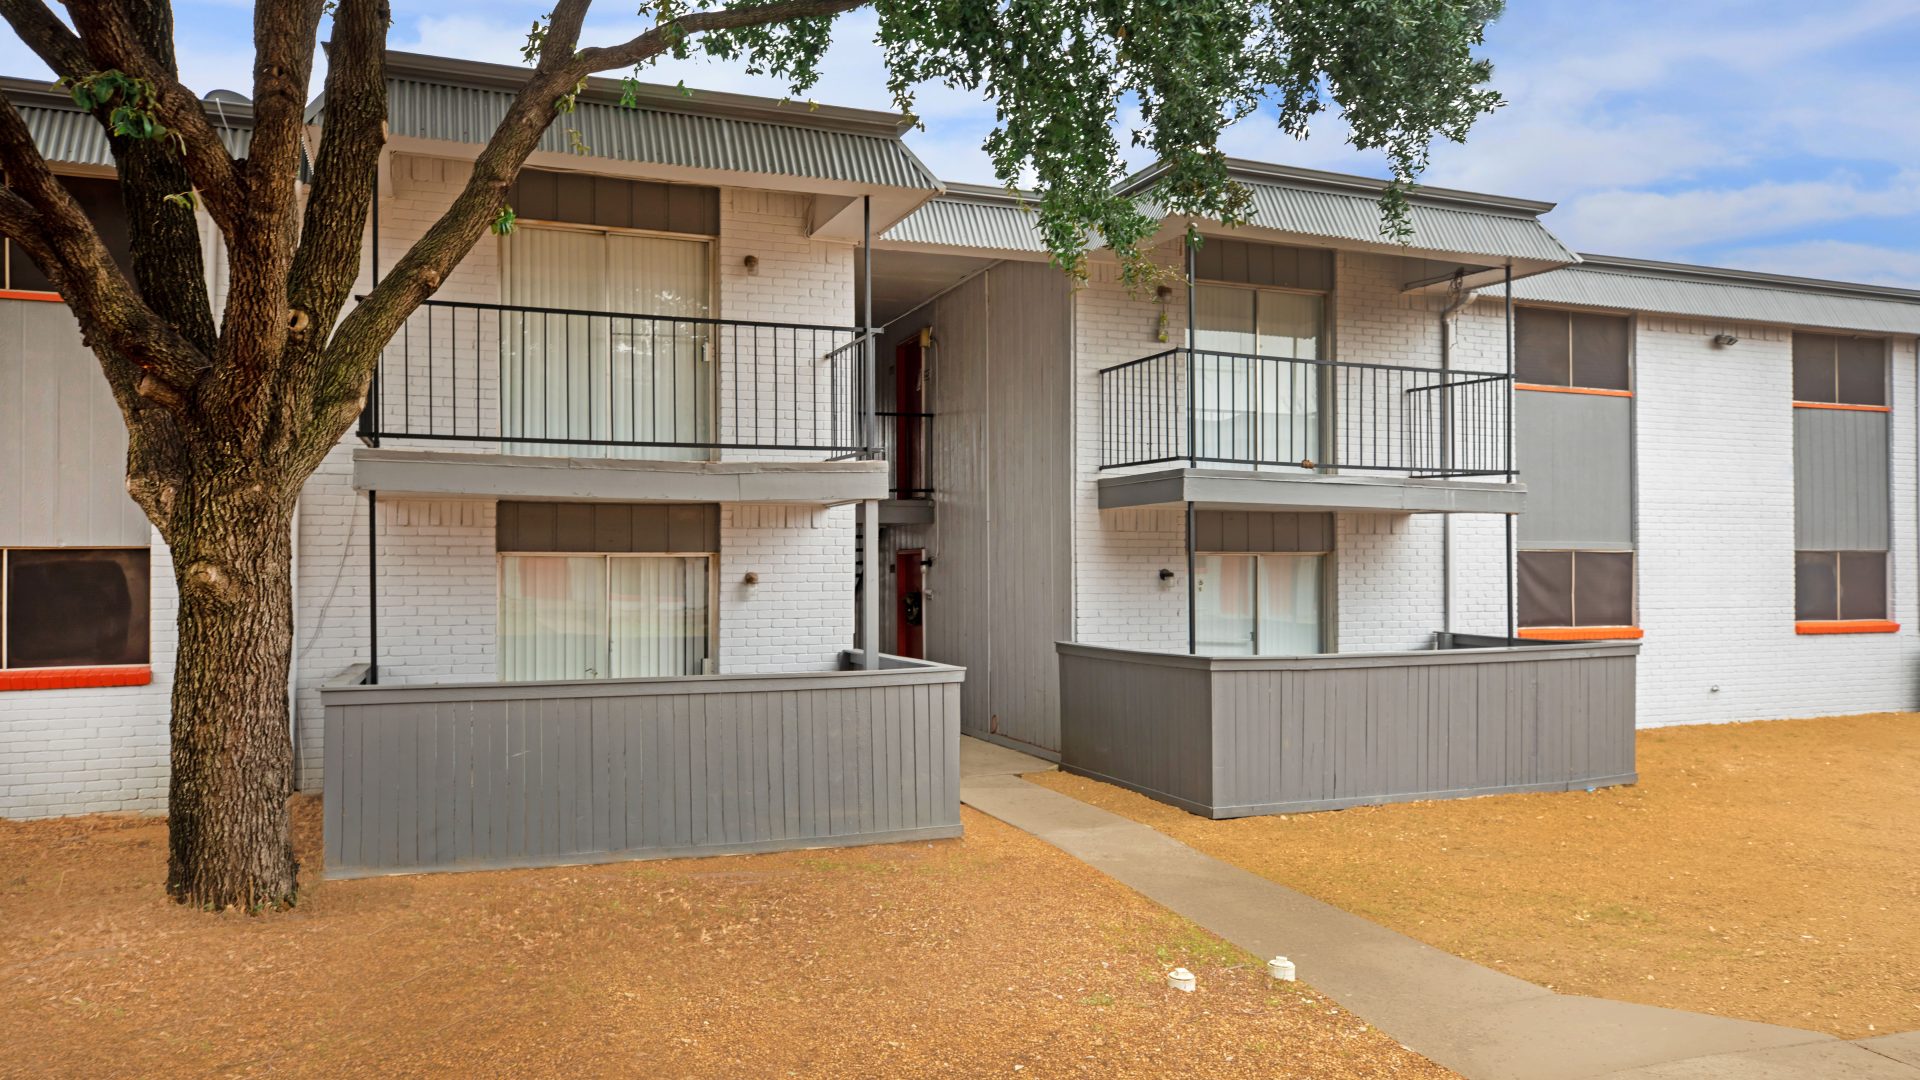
column 1262, row 409
column 659, row 615
column 553, row 617
column 1223, row 605
column 1289, row 604
column 607, row 377
column 1266, row 605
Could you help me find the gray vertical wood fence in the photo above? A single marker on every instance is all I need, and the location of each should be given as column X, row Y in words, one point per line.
column 1234, row 736
column 531, row 774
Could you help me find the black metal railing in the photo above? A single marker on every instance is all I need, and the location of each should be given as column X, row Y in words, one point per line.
column 534, row 377
column 1203, row 407
column 906, row 439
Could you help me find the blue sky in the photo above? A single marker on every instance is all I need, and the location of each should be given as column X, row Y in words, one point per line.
column 1763, row 134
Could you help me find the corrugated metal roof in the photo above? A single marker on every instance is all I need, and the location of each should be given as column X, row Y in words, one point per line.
column 434, row 109
column 71, row 137
column 964, row 218
column 1336, row 206
column 1708, row 292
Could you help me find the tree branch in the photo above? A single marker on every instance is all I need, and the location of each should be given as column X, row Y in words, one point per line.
column 60, row 238
column 47, row 36
column 112, row 42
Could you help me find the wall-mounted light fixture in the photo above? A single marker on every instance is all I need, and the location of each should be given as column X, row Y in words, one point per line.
column 1725, row 340
column 752, row 578
column 1166, row 575
column 753, row 264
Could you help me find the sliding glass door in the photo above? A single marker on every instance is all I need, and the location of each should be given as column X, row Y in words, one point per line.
column 1257, row 605
column 604, row 616
column 1254, row 403
column 606, row 359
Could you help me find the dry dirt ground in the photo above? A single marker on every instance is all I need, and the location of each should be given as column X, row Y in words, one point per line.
column 993, row 955
column 1766, row 871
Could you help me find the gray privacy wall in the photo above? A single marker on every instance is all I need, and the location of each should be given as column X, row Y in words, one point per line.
column 531, row 774
column 1235, row 736
column 1575, row 453
column 1840, row 484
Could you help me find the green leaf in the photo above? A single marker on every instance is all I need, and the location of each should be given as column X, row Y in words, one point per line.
column 504, row 221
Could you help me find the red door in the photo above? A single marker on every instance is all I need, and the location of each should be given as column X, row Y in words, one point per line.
column 908, row 401
column 909, row 605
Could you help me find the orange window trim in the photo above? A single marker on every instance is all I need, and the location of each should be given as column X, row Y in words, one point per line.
column 1582, row 633
column 1545, row 389
column 24, row 294
column 72, row 678
column 1841, row 405
column 1846, row 626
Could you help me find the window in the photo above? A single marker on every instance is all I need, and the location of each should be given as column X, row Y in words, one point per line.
column 1576, row 588
column 74, row 607
column 99, row 199
column 1833, row 370
column 1839, row 585
column 604, row 616
column 1257, row 605
column 1252, row 403
column 570, row 376
column 1572, row 349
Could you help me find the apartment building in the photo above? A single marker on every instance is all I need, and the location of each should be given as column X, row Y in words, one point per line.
column 647, row 545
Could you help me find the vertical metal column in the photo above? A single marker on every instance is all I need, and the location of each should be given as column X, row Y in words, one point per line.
column 1193, row 626
column 1511, row 560
column 373, row 593
column 866, row 324
column 1193, row 436
column 870, row 584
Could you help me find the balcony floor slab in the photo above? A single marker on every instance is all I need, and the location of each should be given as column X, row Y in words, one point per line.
column 575, row 479
column 1232, row 489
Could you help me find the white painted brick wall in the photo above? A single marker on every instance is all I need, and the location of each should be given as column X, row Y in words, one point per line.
column 94, row 749
column 1715, row 441
column 800, row 613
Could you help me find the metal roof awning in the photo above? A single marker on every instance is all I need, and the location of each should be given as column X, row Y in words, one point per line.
column 65, row 135
column 1602, row 281
column 692, row 136
column 973, row 219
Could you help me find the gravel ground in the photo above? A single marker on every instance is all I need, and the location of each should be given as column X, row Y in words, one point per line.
column 994, row 955
column 1766, row 871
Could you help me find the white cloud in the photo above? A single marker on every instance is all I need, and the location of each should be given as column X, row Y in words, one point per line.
column 1663, row 223
column 1839, row 260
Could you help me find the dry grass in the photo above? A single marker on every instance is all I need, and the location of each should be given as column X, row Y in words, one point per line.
column 985, row 956
column 1768, row 871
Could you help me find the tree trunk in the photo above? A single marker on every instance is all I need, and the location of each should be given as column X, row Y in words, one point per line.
column 229, row 838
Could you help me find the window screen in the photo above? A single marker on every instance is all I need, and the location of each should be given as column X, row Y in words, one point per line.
column 76, row 607
column 1830, row 585
column 1576, row 588
column 1829, row 369
column 100, row 200
column 1562, row 348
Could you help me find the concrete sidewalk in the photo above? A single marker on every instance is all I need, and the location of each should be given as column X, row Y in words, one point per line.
column 1479, row 1022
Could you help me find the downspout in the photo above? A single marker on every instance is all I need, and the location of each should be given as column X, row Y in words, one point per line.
column 1457, row 298
column 293, row 647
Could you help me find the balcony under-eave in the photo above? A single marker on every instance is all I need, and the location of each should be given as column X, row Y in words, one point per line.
column 1233, row 489
column 426, row 473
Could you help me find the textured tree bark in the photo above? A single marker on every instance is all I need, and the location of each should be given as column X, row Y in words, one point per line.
column 229, row 838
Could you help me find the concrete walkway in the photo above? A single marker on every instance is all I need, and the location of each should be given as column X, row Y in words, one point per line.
column 1479, row 1022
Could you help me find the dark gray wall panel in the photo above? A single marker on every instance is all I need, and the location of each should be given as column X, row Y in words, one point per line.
column 526, row 774
column 635, row 527
column 1840, row 480
column 615, row 203
column 1261, row 531
column 1575, row 454
column 1228, row 737
column 1244, row 262
column 63, row 445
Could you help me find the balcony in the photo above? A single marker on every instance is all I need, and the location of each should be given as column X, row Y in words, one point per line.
column 498, row 400
column 1231, row 431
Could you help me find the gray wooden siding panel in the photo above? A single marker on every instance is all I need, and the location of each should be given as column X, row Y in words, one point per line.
column 1228, row 737
column 1575, row 453
column 435, row 777
column 614, row 527
column 63, row 445
column 1840, row 466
